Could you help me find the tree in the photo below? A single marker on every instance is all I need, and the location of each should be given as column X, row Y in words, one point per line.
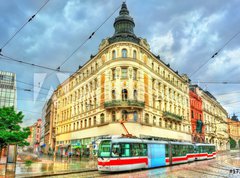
column 232, row 143
column 10, row 130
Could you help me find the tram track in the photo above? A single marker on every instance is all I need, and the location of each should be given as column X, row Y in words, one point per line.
column 152, row 172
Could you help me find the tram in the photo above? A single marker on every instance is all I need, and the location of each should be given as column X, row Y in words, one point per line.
column 205, row 151
column 123, row 154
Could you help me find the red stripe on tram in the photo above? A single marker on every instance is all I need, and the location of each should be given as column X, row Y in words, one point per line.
column 124, row 161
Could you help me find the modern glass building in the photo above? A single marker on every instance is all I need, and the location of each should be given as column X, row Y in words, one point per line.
column 8, row 95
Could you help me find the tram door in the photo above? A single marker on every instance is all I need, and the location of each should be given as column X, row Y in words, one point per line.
column 156, row 155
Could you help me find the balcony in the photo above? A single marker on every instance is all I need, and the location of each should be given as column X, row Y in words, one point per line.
column 123, row 104
column 172, row 116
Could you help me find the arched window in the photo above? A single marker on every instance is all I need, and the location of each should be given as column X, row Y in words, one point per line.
column 134, row 54
column 113, row 95
column 154, row 121
column 113, row 116
column 146, row 119
column 89, row 122
column 124, row 115
column 160, row 122
column 94, row 120
column 74, row 126
column 124, row 53
column 85, row 123
column 135, row 94
column 102, row 118
column 113, row 54
column 124, row 94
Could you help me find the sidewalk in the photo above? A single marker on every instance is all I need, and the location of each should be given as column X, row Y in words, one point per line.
column 48, row 166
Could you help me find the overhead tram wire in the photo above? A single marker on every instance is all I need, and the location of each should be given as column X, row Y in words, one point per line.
column 30, row 90
column 29, row 20
column 215, row 54
column 85, row 41
column 27, row 63
column 216, row 82
column 92, row 34
column 32, row 85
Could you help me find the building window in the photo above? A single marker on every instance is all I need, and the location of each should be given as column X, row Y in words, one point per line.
column 89, row 122
column 124, row 115
column 114, row 76
column 94, row 120
column 134, row 54
column 160, row 122
column 192, row 113
column 85, row 123
column 146, row 118
column 113, row 116
column 124, row 73
column 124, row 53
column 134, row 74
column 135, row 116
column 124, row 94
column 154, row 121
column 102, row 118
column 135, row 94
column 113, row 95
column 113, row 54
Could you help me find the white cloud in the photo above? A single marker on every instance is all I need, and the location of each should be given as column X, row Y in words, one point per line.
column 162, row 45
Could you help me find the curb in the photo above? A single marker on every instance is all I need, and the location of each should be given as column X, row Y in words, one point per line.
column 54, row 174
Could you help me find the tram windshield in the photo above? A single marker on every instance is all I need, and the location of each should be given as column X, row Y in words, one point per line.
column 104, row 148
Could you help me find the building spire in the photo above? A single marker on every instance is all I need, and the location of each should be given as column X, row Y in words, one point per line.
column 124, row 23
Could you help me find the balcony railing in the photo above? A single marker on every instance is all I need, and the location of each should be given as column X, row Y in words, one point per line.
column 172, row 116
column 125, row 103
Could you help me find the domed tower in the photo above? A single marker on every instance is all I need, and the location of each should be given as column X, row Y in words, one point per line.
column 124, row 26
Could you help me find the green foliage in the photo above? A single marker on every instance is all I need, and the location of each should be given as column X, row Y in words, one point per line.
column 232, row 143
column 10, row 130
column 28, row 163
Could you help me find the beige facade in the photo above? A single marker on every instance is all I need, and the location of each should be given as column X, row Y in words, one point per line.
column 234, row 130
column 124, row 81
column 215, row 117
column 50, row 124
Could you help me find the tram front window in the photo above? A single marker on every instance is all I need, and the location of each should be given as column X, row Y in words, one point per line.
column 104, row 149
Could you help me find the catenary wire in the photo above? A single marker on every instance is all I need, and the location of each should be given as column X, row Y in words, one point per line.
column 92, row 34
column 215, row 54
column 29, row 20
column 27, row 63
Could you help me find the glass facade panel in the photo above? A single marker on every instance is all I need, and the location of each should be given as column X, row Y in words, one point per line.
column 7, row 89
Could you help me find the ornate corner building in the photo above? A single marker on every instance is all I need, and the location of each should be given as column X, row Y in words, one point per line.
column 124, row 82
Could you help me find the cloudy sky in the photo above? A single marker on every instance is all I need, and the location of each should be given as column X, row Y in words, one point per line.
column 184, row 33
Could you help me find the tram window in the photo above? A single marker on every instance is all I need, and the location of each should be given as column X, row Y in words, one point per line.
column 116, row 151
column 104, row 148
column 125, row 150
column 136, row 151
column 175, row 150
column 143, row 148
column 166, row 150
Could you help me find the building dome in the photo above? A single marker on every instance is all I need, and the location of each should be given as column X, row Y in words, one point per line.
column 124, row 23
column 124, row 26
